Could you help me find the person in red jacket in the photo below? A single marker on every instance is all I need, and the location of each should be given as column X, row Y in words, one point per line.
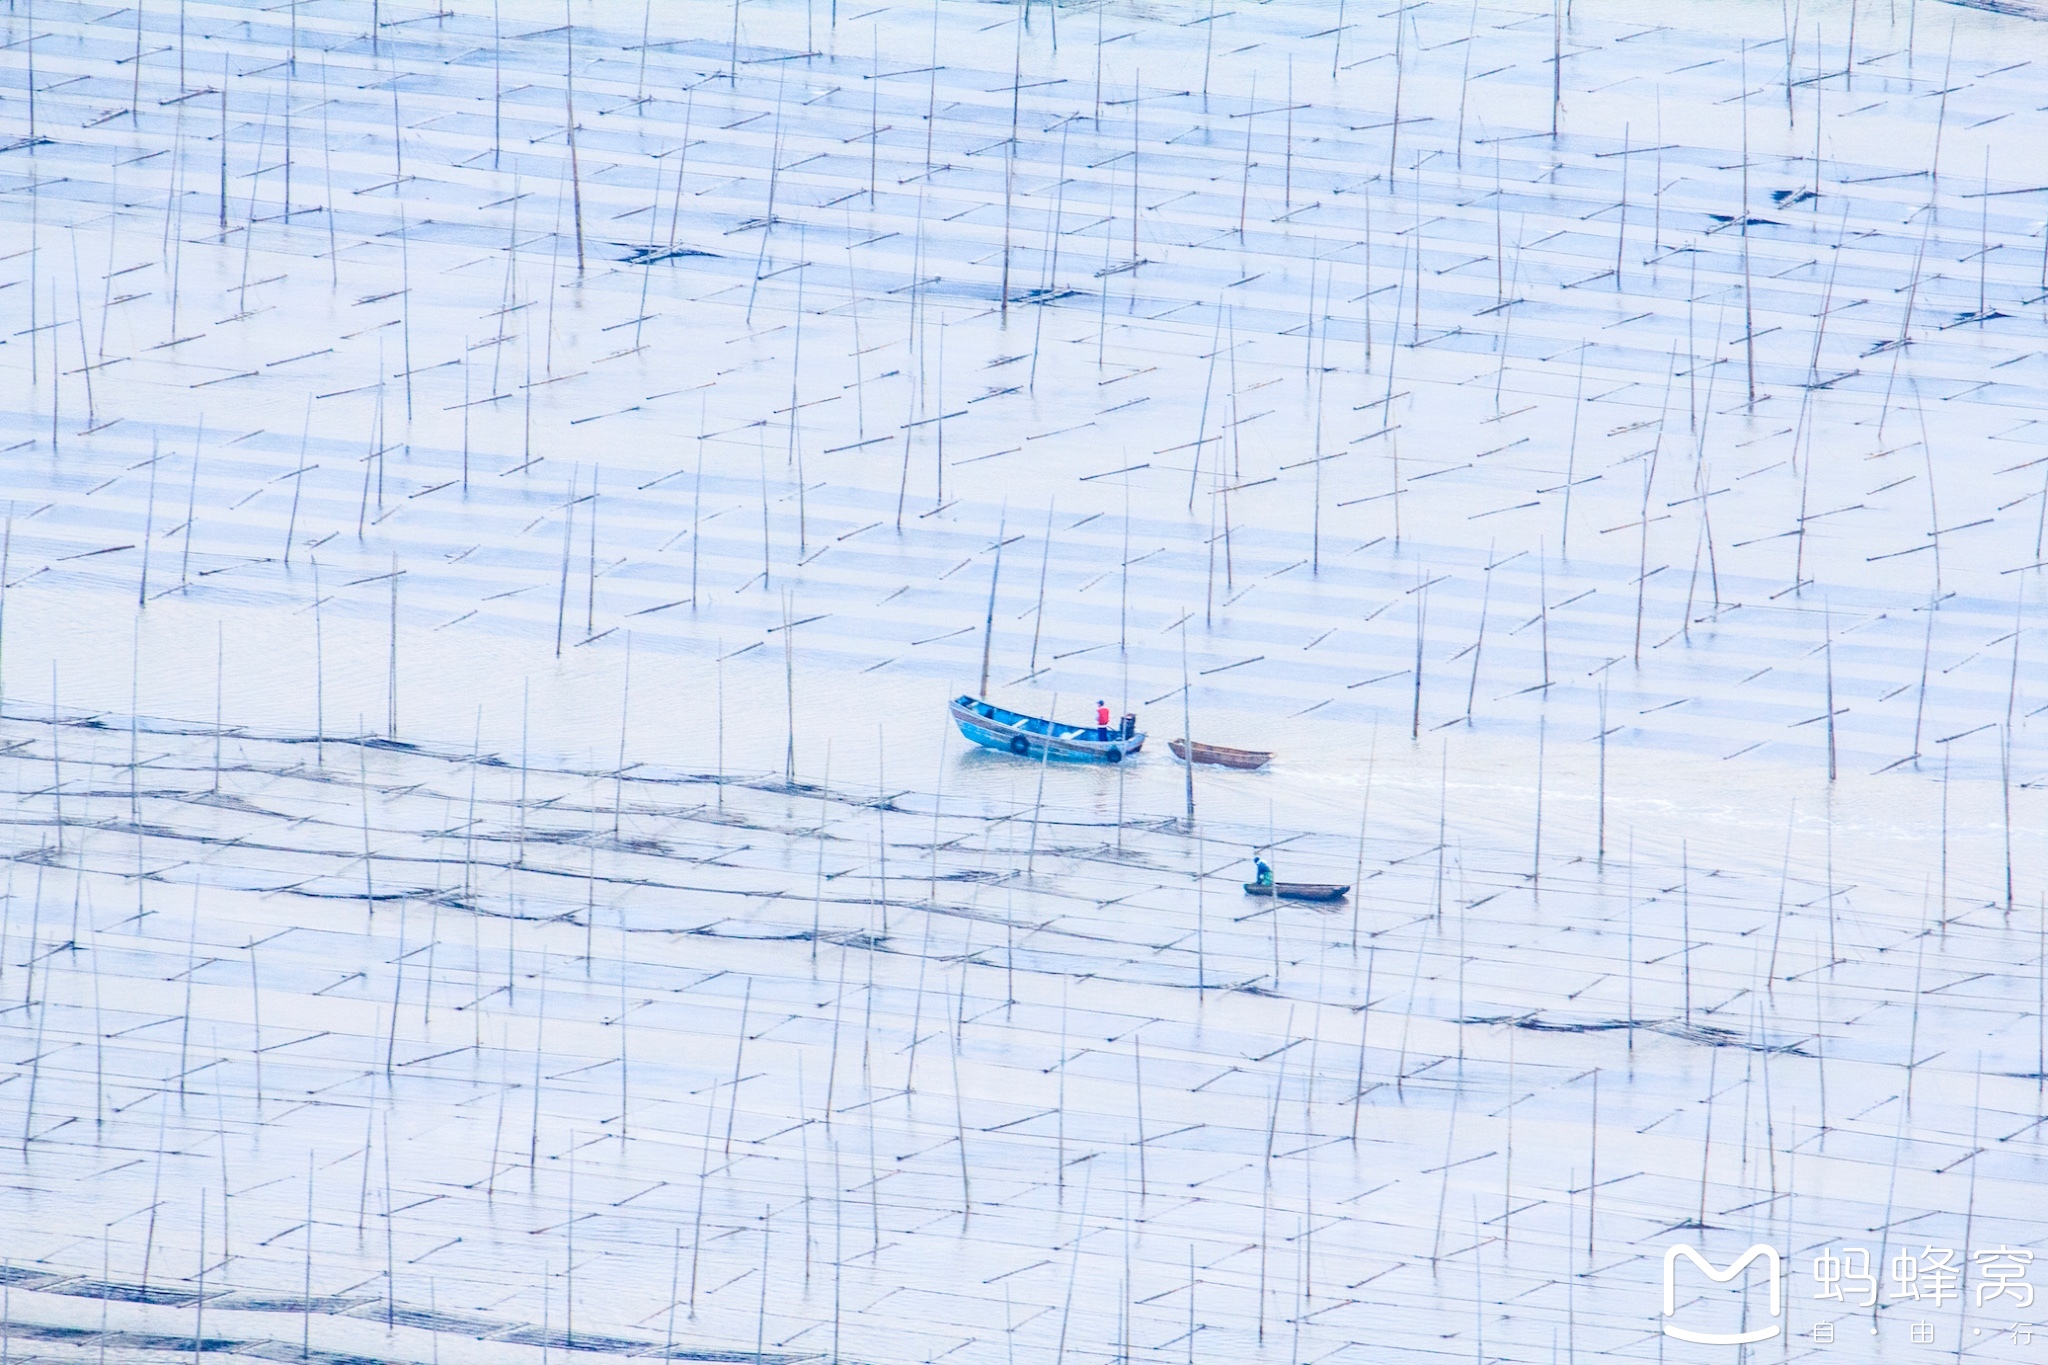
column 1101, row 719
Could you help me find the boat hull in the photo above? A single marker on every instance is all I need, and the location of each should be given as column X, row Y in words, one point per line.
column 1037, row 739
column 1298, row 891
column 1246, row 759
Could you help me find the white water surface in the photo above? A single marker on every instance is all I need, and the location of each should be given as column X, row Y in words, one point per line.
column 478, row 617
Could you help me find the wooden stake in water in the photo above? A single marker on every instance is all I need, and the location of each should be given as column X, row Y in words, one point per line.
column 789, row 689
column 1556, row 63
column 1536, row 853
column 1038, row 803
column 696, row 514
column 1187, row 736
column 590, row 598
column 568, row 530
column 1010, row 158
column 391, row 682
column 1685, row 925
column 1479, row 642
column 1828, row 647
column 1421, row 617
column 1593, row 1165
column 1621, row 225
column 1245, row 192
column 988, row 628
column 199, row 1299
column 223, row 141
column 1045, row 562
column 1601, row 844
column 739, row 1057
column 2040, row 998
column 1643, row 522
column 319, row 677
column 1571, row 465
column 1400, row 75
column 569, row 98
column 1464, row 81
column 219, row 683
column 1748, row 311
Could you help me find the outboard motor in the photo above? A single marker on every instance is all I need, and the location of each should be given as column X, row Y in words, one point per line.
column 1130, row 725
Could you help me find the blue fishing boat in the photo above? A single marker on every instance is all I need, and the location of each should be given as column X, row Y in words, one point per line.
column 1033, row 737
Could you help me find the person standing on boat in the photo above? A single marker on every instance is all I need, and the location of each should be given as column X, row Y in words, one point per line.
column 1101, row 719
column 1263, row 873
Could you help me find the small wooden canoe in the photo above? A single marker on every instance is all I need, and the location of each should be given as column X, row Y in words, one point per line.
column 1298, row 891
column 1218, row 754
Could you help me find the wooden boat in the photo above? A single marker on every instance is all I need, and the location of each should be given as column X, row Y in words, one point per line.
column 1218, row 754
column 1037, row 738
column 1298, row 891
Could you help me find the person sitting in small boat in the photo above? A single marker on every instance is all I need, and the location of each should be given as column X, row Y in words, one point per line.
column 1101, row 719
column 1264, row 873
